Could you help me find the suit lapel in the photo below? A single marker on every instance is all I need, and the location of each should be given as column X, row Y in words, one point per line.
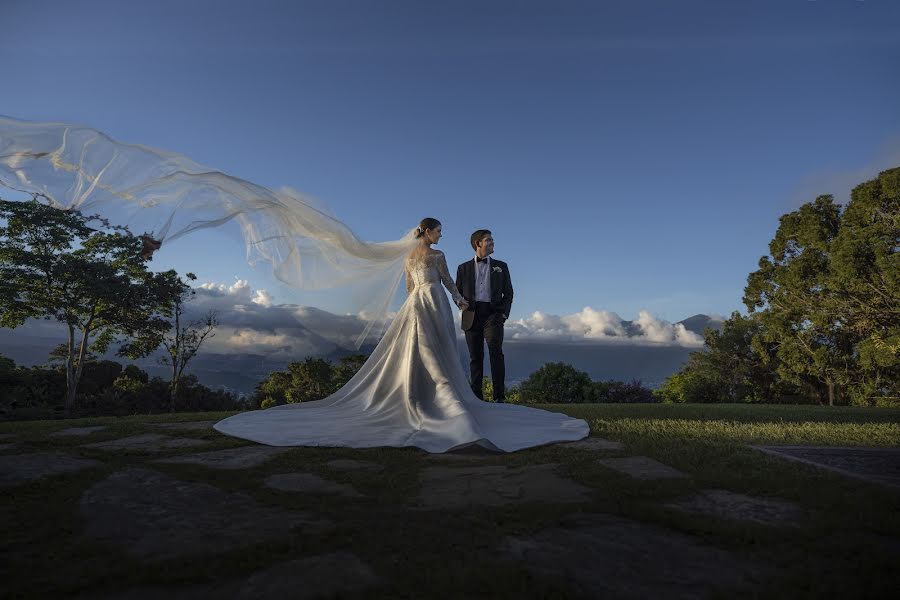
column 472, row 278
column 495, row 280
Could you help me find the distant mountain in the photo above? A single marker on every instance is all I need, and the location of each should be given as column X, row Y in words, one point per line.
column 698, row 323
column 652, row 364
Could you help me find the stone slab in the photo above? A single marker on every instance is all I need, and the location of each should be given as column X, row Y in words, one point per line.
column 146, row 442
column 309, row 483
column 19, row 468
column 187, row 425
column 732, row 505
column 4, row 447
column 244, row 457
column 349, row 464
column 459, row 487
column 606, row 556
column 876, row 465
column 78, row 431
column 595, row 444
column 6, row 436
column 453, row 457
column 153, row 516
column 641, row 467
column 333, row 575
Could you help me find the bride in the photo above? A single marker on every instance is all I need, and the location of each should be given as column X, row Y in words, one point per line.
column 412, row 391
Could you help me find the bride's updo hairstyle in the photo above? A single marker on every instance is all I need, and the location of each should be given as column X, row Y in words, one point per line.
column 426, row 224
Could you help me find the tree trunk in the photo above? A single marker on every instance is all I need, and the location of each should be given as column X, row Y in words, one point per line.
column 70, row 373
column 830, row 385
column 175, row 353
column 82, row 350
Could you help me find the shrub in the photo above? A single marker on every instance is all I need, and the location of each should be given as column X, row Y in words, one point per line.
column 557, row 382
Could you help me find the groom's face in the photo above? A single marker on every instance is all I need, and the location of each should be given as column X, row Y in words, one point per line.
column 486, row 246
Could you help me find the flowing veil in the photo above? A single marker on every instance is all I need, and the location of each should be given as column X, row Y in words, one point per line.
column 168, row 196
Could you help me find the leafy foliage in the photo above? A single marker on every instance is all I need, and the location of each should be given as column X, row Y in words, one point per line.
column 562, row 383
column 310, row 379
column 106, row 389
column 824, row 311
column 83, row 272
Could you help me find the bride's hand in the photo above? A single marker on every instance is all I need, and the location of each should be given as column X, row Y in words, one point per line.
column 462, row 304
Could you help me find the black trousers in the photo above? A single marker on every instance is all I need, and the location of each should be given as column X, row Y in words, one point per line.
column 488, row 327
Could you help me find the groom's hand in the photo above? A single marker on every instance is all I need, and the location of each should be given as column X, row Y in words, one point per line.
column 462, row 304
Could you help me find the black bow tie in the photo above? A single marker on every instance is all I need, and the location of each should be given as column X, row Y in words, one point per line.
column 478, row 260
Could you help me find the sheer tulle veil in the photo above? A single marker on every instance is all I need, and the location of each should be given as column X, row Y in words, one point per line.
column 169, row 196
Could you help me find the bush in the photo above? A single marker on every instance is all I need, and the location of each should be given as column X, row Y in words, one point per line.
column 557, row 382
column 619, row 392
column 39, row 392
column 513, row 395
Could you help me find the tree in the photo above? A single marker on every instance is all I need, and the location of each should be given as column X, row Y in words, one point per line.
column 311, row 379
column 184, row 342
column 346, row 368
column 866, row 282
column 792, row 294
column 101, row 288
column 732, row 367
column 829, row 298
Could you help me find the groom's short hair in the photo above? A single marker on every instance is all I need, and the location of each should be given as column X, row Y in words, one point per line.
column 478, row 236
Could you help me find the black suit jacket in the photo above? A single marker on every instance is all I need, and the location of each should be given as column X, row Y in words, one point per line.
column 501, row 289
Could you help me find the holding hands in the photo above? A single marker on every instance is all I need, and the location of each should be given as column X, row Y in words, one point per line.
column 462, row 304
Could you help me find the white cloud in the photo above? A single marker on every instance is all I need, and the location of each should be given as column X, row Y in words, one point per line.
column 262, row 298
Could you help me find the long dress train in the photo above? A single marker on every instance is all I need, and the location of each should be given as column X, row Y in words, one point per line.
column 412, row 391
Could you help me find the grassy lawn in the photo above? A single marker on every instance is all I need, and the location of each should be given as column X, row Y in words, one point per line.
column 845, row 547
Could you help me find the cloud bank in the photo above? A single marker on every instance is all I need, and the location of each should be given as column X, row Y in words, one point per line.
column 251, row 322
column 601, row 326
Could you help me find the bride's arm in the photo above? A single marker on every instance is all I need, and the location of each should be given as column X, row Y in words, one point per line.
column 444, row 272
column 409, row 281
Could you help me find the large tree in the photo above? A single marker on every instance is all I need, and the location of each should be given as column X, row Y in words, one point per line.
column 791, row 292
column 81, row 271
column 828, row 298
column 865, row 269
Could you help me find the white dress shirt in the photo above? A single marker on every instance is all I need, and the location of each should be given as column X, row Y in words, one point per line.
column 483, row 281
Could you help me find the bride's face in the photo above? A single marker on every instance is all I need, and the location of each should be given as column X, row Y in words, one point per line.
column 433, row 235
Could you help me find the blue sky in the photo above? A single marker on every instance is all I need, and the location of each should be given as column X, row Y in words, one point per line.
column 627, row 155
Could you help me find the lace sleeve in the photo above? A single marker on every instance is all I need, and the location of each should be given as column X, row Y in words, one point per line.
column 444, row 272
column 409, row 281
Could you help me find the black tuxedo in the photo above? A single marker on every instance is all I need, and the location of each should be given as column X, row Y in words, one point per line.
column 483, row 322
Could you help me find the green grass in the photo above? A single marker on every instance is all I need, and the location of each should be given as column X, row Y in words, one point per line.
column 844, row 548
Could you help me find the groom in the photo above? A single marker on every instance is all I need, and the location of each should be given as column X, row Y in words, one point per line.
column 485, row 284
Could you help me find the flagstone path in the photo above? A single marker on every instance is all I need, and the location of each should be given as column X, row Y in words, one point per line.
column 641, row 467
column 154, row 516
column 607, row 556
column 187, row 425
column 19, row 468
column 333, row 575
column 244, row 457
column 147, row 442
column 78, row 431
column 309, row 483
column 459, row 487
column 732, row 505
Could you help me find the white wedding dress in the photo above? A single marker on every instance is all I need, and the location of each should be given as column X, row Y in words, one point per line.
column 412, row 391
